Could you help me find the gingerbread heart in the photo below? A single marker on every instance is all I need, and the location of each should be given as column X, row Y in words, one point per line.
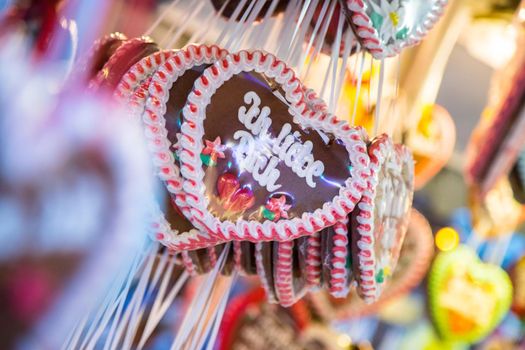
column 123, row 58
column 247, row 118
column 385, row 27
column 149, row 85
column 98, row 55
column 414, row 260
column 432, row 141
column 381, row 220
column 467, row 297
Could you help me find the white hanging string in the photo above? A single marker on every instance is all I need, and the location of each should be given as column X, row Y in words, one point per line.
column 349, row 43
column 313, row 37
column 205, row 318
column 230, row 23
column 271, row 37
column 198, row 303
column 301, row 23
column 113, row 315
column 369, row 86
column 160, row 307
column 202, row 333
column 326, row 75
column 212, row 19
column 74, row 337
column 165, row 38
column 396, row 127
column 297, row 51
column 359, row 83
column 201, row 298
column 108, row 306
column 336, row 49
column 184, row 26
column 245, row 27
column 498, row 249
column 261, row 34
column 300, row 20
column 164, row 267
column 236, row 32
column 115, row 301
column 218, row 318
column 377, row 117
column 473, row 240
column 162, row 16
column 120, row 322
column 320, row 40
column 283, row 43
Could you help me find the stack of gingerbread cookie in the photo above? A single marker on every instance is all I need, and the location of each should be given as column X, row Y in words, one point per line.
column 245, row 153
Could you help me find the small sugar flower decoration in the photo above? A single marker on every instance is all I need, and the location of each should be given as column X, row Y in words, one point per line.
column 276, row 208
column 387, row 17
column 213, row 150
column 384, row 271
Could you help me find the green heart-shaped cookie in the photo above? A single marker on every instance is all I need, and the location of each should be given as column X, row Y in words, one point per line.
column 468, row 298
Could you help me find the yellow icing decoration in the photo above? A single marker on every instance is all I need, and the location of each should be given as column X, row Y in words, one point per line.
column 394, row 17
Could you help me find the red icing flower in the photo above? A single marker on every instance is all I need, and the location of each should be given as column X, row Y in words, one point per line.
column 233, row 197
column 214, row 149
column 278, row 207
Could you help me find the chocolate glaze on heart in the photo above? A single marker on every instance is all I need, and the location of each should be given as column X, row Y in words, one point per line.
column 222, row 121
column 327, row 245
column 299, row 261
column 177, row 99
column 200, row 260
column 248, row 258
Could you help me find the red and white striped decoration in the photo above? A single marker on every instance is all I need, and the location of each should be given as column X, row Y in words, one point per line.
column 338, row 272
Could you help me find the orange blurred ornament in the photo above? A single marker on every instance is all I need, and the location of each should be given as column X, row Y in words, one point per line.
column 432, row 141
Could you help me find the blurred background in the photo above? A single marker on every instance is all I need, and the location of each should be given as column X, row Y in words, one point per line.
column 76, row 186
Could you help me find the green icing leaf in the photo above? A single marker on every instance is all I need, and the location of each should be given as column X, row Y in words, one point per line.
column 206, row 159
column 267, row 214
column 402, row 34
column 380, row 278
column 377, row 20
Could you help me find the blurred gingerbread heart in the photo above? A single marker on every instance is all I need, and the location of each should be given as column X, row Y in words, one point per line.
column 467, row 297
column 432, row 142
column 385, row 27
column 517, row 275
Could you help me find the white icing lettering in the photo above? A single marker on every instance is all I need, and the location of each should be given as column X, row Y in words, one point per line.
column 261, row 157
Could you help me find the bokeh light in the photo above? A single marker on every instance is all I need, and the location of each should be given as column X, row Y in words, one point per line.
column 447, row 239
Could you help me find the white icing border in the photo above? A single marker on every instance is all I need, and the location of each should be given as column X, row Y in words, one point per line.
column 151, row 111
column 338, row 286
